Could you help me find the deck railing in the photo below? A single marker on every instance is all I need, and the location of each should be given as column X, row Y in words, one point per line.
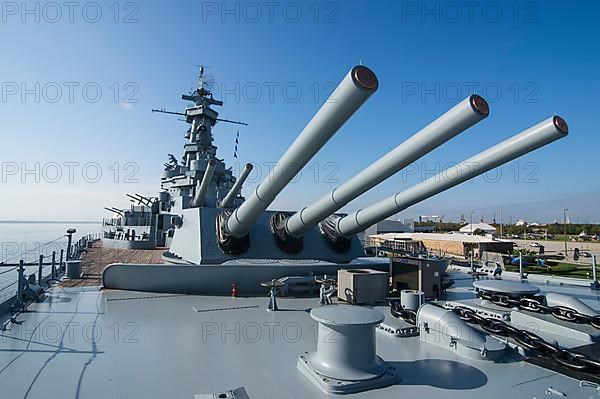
column 15, row 276
column 145, row 220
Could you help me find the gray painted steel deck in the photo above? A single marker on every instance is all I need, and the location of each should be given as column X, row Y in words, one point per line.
column 85, row 343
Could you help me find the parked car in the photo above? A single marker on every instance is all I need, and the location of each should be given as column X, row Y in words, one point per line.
column 535, row 244
column 585, row 254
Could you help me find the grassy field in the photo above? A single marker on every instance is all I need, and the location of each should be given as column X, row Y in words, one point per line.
column 562, row 269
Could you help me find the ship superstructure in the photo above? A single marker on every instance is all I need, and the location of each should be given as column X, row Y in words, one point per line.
column 201, row 179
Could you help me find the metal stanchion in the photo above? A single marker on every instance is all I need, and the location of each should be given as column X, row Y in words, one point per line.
column 70, row 233
column 595, row 285
column 53, row 265
column 18, row 306
column 40, row 266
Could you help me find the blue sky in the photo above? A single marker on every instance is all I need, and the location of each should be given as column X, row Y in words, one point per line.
column 273, row 63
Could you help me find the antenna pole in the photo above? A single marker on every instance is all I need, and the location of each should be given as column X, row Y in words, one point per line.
column 162, row 111
column 234, row 122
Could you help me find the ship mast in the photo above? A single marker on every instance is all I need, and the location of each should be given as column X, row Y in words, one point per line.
column 199, row 162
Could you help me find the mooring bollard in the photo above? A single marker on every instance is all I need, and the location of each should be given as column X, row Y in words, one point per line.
column 73, row 268
column 53, row 265
column 40, row 266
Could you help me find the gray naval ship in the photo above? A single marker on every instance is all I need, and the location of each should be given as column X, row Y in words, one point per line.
column 255, row 303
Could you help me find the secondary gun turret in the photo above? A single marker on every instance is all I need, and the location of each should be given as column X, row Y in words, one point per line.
column 202, row 187
column 237, row 187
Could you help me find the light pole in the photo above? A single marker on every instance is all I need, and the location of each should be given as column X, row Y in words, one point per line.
column 471, row 247
column 565, row 225
column 471, row 223
column 500, row 223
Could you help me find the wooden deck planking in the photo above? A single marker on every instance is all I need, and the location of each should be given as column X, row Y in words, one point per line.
column 97, row 258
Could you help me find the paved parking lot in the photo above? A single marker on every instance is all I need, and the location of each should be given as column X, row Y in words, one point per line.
column 553, row 247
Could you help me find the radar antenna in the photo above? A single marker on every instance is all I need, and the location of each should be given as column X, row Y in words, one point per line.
column 202, row 83
column 202, row 96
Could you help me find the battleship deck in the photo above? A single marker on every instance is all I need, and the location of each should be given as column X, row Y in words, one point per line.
column 85, row 342
column 95, row 259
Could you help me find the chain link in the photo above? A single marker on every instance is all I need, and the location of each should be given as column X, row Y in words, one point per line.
column 536, row 305
column 527, row 339
column 399, row 312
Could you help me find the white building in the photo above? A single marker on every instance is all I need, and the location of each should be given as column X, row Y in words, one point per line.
column 430, row 218
column 471, row 228
column 456, row 244
column 388, row 226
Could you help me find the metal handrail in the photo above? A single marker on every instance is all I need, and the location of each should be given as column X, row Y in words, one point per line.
column 77, row 249
column 6, row 271
column 24, row 264
column 9, row 285
column 31, row 250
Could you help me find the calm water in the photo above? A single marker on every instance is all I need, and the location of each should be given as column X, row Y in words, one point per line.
column 28, row 241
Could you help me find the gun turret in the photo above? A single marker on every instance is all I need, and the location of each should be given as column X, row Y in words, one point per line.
column 461, row 117
column 351, row 93
column 140, row 199
column 202, row 187
column 233, row 192
column 115, row 210
column 533, row 138
column 251, row 232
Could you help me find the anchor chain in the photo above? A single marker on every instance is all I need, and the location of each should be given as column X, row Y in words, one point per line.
column 409, row 316
column 536, row 305
column 565, row 357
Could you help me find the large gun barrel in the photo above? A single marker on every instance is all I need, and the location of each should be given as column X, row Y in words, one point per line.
column 146, row 200
column 134, row 198
column 114, row 210
column 456, row 120
column 140, row 199
column 351, row 93
column 233, row 192
column 202, row 188
column 535, row 137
